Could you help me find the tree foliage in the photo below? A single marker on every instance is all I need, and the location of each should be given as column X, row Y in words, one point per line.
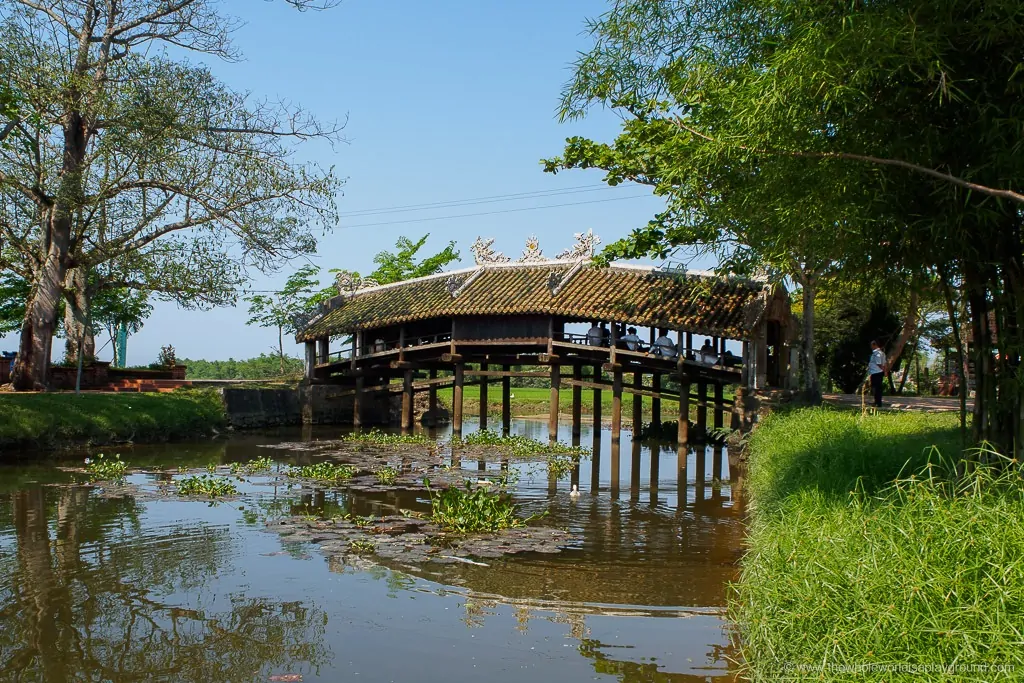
column 283, row 310
column 148, row 167
column 879, row 140
column 264, row 366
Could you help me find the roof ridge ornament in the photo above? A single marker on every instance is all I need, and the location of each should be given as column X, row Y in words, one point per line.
column 583, row 250
column 533, row 253
column 484, row 254
column 456, row 283
column 349, row 282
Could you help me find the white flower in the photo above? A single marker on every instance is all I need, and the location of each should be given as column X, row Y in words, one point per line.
column 87, row 461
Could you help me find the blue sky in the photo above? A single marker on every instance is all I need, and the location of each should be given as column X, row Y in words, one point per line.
column 445, row 100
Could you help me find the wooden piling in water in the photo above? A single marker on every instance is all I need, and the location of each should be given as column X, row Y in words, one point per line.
column 702, row 408
column 357, row 403
column 407, row 402
column 638, row 406
column 682, row 435
column 432, row 398
column 506, row 402
column 483, row 398
column 616, row 429
column 656, row 402
column 577, row 402
column 457, row 399
column 597, row 400
column 719, row 405
column 556, row 383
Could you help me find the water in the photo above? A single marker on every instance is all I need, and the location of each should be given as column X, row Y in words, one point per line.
column 129, row 589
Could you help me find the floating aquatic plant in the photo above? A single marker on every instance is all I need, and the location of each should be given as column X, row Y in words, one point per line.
column 254, row 466
column 472, row 508
column 323, row 471
column 387, row 475
column 102, row 468
column 206, row 485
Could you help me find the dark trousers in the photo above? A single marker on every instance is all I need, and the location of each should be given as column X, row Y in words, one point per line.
column 876, row 386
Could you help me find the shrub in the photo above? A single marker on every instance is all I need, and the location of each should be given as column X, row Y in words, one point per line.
column 472, row 509
column 206, row 485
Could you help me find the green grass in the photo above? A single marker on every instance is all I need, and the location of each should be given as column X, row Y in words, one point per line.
column 863, row 558
column 61, row 420
column 533, row 401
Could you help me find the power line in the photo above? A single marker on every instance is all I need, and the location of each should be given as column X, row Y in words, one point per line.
column 536, row 194
column 491, row 213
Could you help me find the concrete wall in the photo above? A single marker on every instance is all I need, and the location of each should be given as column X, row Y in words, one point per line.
column 319, row 404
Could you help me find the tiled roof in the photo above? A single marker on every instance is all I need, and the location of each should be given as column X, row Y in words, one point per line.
column 699, row 303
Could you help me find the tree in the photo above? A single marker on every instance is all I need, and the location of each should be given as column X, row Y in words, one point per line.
column 121, row 154
column 901, row 117
column 395, row 266
column 121, row 313
column 283, row 309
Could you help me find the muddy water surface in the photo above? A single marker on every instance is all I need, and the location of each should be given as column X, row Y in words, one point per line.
column 139, row 588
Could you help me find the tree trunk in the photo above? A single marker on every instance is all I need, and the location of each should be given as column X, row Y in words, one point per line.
column 958, row 341
column 280, row 347
column 812, row 383
column 76, row 316
column 910, row 321
column 37, row 330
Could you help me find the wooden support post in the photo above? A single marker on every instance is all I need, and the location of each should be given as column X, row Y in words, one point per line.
column 616, row 429
column 655, row 467
column 702, row 408
column 597, row 401
column 407, row 402
column 719, row 407
column 634, row 469
column 716, row 466
column 457, row 399
column 577, row 402
column 745, row 374
column 432, row 398
column 310, row 360
column 556, row 383
column 638, row 406
column 323, row 350
column 700, row 475
column 689, row 341
column 357, row 403
column 506, row 402
column 401, row 343
column 355, row 348
column 483, row 398
column 682, row 437
column 595, row 462
column 614, row 341
column 760, row 360
column 656, row 402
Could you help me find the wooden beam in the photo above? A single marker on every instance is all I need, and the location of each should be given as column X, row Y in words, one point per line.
column 577, row 401
column 310, row 365
column 451, row 357
column 506, row 401
column 483, row 397
column 507, row 373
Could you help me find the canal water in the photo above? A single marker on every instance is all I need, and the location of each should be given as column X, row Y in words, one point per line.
column 96, row 588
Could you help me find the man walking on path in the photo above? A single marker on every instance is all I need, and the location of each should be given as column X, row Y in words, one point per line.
column 876, row 371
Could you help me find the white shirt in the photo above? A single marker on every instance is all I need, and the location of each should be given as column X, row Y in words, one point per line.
column 664, row 346
column 631, row 341
column 877, row 362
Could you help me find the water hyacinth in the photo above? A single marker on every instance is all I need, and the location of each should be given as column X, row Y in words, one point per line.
column 106, row 469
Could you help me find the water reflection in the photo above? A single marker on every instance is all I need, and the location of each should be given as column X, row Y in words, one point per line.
column 89, row 589
column 117, row 589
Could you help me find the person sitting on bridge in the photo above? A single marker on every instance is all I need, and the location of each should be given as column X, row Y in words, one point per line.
column 708, row 354
column 664, row 346
column 631, row 340
column 730, row 360
column 379, row 345
column 595, row 335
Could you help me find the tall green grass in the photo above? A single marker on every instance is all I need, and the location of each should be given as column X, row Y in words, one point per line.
column 870, row 560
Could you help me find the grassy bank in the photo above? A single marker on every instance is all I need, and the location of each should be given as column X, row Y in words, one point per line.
column 532, row 401
column 861, row 566
column 62, row 420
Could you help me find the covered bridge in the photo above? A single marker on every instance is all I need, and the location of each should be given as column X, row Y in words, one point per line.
column 488, row 321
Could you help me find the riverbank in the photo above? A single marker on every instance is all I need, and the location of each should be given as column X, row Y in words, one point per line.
column 850, row 575
column 53, row 421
